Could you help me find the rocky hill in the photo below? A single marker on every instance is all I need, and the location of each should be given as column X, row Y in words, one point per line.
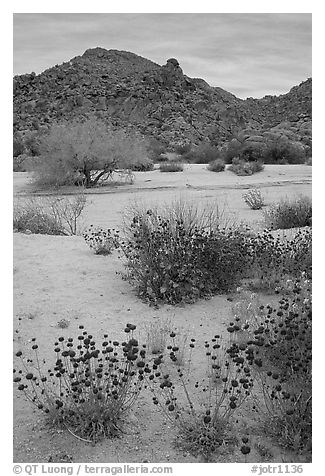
column 132, row 92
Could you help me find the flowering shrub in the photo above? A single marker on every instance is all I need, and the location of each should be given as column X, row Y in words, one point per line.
column 171, row 262
column 202, row 411
column 278, row 349
column 89, row 387
column 289, row 214
column 273, row 261
column 254, row 199
column 101, row 241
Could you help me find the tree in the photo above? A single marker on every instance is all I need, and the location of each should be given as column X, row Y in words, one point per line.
column 84, row 153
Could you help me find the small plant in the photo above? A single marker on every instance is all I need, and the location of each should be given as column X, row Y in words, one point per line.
column 101, row 241
column 171, row 167
column 89, row 388
column 217, row 165
column 289, row 214
column 157, row 335
column 254, row 199
column 241, row 167
column 68, row 211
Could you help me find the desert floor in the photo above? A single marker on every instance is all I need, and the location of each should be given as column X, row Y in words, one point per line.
column 59, row 278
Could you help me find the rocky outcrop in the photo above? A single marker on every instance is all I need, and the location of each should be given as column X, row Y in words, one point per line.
column 131, row 92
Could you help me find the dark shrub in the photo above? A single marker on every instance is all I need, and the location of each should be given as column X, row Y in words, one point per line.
column 283, row 152
column 156, row 149
column 19, row 163
column 171, row 167
column 289, row 214
column 216, row 166
column 18, row 147
column 241, row 167
column 172, row 263
column 183, row 149
column 143, row 164
column 203, row 154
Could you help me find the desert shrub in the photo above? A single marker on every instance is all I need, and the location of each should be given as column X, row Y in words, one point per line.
column 254, row 199
column 172, row 262
column 289, row 213
column 203, row 154
column 202, row 411
column 231, row 150
column 156, row 150
column 241, row 167
column 171, row 167
column 101, row 241
column 67, row 211
column 84, row 153
column 89, row 387
column 182, row 149
column 31, row 216
column 278, row 349
column 283, row 152
column 274, row 261
column 50, row 215
column 216, row 166
column 19, row 163
column 18, row 146
column 309, row 161
column 143, row 164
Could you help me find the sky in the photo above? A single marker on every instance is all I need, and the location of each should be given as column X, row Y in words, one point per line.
column 247, row 54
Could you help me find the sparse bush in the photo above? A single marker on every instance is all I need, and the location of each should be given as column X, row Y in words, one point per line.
column 32, row 216
column 88, row 388
column 157, row 333
column 171, row 167
column 84, row 153
column 103, row 242
column 203, row 154
column 202, row 411
column 289, row 213
column 216, row 166
column 49, row 215
column 254, row 199
column 240, row 167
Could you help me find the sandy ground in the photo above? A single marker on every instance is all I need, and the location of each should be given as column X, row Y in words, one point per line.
column 60, row 278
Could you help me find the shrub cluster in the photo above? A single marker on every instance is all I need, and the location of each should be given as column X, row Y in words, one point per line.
column 101, row 241
column 289, row 214
column 280, row 151
column 89, row 387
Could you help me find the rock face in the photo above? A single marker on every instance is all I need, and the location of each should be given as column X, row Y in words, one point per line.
column 131, row 92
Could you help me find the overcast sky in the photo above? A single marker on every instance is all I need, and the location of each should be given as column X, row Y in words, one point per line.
column 247, row 54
